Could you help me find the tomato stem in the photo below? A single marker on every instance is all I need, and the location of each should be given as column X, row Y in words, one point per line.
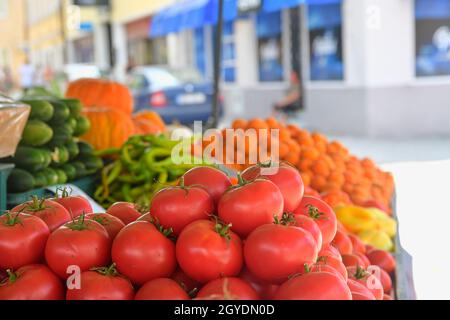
column 12, row 220
column 12, row 276
column 63, row 192
column 222, row 229
column 110, row 271
column 36, row 204
column 78, row 225
column 314, row 212
column 360, row 273
column 287, row 219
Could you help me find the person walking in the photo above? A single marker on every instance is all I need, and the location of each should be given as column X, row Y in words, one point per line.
column 27, row 74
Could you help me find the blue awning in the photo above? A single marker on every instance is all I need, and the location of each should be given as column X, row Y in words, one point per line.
column 190, row 14
column 276, row 5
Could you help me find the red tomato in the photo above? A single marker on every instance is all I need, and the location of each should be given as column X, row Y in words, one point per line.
column 310, row 192
column 314, row 286
column 363, row 258
column 176, row 207
column 286, row 178
column 385, row 279
column 75, row 205
column 184, row 281
column 146, row 217
column 378, row 205
column 352, row 260
column 322, row 214
column 316, row 267
column 387, row 297
column 143, row 253
column 112, row 224
column 342, row 242
column 357, row 244
column 207, row 250
column 273, row 252
column 359, row 291
column 228, row 289
column 22, row 240
column 32, row 282
column 330, row 251
column 383, row 259
column 310, row 225
column 83, row 243
column 335, row 263
column 52, row 213
column 102, row 284
column 127, row 212
column 367, row 279
column 251, row 205
column 215, row 181
column 266, row 291
column 369, row 248
column 161, row 289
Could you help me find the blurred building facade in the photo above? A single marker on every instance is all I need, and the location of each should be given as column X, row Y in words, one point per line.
column 368, row 67
column 13, row 38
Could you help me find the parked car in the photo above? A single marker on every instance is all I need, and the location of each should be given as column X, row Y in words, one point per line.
column 178, row 95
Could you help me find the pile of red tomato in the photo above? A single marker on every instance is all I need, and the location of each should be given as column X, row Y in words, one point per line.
column 261, row 238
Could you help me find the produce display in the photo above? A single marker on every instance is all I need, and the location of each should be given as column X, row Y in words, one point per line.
column 50, row 151
column 206, row 239
column 144, row 164
column 109, row 107
column 325, row 166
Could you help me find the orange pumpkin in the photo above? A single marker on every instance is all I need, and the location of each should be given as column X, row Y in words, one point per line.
column 104, row 93
column 110, row 128
column 148, row 122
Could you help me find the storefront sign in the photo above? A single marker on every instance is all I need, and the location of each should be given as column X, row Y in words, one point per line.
column 325, row 34
column 91, row 3
column 246, row 6
column 432, row 38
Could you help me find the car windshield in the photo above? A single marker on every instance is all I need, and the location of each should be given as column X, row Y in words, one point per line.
column 161, row 78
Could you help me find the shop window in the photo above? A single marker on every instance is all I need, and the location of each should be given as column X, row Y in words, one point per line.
column 270, row 52
column 84, row 49
column 325, row 42
column 432, row 37
column 200, row 60
column 228, row 52
column 148, row 51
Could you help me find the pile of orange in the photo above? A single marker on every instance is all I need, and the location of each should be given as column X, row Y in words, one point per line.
column 325, row 166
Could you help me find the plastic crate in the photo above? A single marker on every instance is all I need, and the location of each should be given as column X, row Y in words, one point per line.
column 5, row 170
column 87, row 184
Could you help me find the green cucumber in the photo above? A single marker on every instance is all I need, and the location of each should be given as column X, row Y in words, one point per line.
column 61, row 135
column 31, row 159
column 72, row 123
column 91, row 162
column 60, row 155
column 62, row 177
column 74, row 106
column 83, row 126
column 73, row 149
column 20, row 181
column 36, row 133
column 70, row 170
column 80, row 169
column 85, row 148
column 40, row 109
column 51, row 176
column 61, row 114
column 40, row 179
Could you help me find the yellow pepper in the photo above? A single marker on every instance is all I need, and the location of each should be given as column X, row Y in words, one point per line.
column 377, row 238
column 356, row 219
column 384, row 222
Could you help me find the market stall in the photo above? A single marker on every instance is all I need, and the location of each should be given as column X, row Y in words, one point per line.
column 332, row 211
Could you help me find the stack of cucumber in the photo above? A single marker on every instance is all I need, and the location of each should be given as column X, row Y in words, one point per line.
column 50, row 152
